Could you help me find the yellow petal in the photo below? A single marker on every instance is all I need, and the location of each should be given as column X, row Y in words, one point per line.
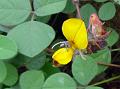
column 81, row 39
column 70, row 27
column 63, row 56
column 75, row 32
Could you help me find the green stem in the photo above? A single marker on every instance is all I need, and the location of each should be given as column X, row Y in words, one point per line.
column 33, row 16
column 107, row 80
column 118, row 49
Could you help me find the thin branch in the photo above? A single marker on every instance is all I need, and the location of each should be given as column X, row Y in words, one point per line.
column 111, row 65
column 54, row 21
column 76, row 3
column 106, row 81
column 118, row 49
column 49, row 50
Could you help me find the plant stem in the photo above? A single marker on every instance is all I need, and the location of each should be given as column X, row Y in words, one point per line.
column 33, row 16
column 107, row 80
column 112, row 65
column 118, row 49
column 54, row 19
column 78, row 10
column 76, row 3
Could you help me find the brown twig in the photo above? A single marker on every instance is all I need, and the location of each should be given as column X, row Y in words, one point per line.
column 49, row 50
column 76, row 3
column 111, row 65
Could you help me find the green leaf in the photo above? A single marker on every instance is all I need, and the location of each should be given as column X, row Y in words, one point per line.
column 14, row 87
column 19, row 60
column 69, row 8
column 43, row 19
column 113, row 37
column 48, row 7
column 12, row 75
column 59, row 81
column 3, row 71
column 103, row 56
column 4, row 29
column 36, row 62
column 84, row 70
column 32, row 80
column 14, row 11
column 117, row 1
column 32, row 37
column 86, row 10
column 8, row 48
column 1, row 86
column 100, row 0
column 93, row 87
column 48, row 69
column 107, row 11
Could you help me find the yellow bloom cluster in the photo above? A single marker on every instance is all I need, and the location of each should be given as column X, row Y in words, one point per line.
column 75, row 32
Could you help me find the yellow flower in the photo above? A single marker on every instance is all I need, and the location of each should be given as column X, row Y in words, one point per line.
column 75, row 32
column 63, row 56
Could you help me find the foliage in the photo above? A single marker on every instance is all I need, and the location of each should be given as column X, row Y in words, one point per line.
column 26, row 40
